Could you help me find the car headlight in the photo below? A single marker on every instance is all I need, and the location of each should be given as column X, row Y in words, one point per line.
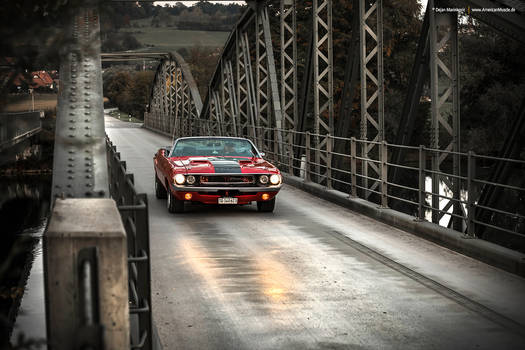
column 263, row 179
column 275, row 179
column 179, row 179
column 190, row 179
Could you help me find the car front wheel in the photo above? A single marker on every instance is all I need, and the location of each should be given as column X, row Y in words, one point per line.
column 174, row 205
column 160, row 191
column 266, row 206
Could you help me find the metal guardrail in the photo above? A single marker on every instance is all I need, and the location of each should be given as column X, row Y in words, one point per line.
column 133, row 208
column 412, row 193
column 15, row 127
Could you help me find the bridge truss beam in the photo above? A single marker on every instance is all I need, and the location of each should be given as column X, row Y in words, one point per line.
column 445, row 130
column 175, row 102
column 323, row 88
column 372, row 90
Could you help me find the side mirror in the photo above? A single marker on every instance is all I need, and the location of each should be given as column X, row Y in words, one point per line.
column 262, row 154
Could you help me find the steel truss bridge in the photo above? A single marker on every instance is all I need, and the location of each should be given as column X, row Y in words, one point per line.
column 254, row 95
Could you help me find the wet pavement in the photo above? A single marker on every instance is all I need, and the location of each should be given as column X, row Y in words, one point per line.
column 312, row 275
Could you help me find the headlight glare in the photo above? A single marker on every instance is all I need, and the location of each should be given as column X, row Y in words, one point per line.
column 179, row 179
column 275, row 179
column 263, row 179
column 190, row 179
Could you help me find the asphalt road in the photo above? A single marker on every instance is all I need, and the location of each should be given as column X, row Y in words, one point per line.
column 312, row 275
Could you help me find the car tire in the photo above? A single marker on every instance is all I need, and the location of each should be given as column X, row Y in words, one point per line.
column 266, row 206
column 174, row 205
column 160, row 191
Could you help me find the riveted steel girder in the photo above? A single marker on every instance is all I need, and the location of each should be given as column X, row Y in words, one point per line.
column 445, row 131
column 372, row 89
column 323, row 85
column 79, row 163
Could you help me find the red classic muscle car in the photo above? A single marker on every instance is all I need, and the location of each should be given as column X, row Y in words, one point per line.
column 215, row 170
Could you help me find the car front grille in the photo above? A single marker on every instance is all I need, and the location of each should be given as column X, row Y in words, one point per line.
column 227, row 180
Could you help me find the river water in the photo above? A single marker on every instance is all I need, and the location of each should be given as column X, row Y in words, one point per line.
column 24, row 208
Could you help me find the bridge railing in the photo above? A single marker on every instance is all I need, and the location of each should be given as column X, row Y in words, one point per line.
column 15, row 127
column 362, row 169
column 133, row 208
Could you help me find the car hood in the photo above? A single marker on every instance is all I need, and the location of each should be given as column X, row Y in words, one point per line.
column 224, row 165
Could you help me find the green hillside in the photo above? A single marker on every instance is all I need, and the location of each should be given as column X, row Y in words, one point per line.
column 171, row 39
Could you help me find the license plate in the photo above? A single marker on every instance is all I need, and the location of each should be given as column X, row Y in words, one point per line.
column 228, row 200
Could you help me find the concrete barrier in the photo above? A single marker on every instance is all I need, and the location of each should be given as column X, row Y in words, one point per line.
column 86, row 276
column 487, row 252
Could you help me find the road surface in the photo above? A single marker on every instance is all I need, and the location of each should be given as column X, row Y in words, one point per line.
column 312, row 275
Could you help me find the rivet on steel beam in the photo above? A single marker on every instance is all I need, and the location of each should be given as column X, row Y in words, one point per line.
column 70, row 171
column 101, row 193
column 87, row 135
column 70, row 177
column 89, row 170
column 88, row 176
column 89, row 194
column 89, row 185
column 72, row 128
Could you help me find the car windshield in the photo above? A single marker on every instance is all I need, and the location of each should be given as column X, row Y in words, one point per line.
column 219, row 147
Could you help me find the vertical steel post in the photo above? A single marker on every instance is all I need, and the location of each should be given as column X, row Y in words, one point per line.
column 384, row 174
column 353, row 166
column 323, row 82
column 329, row 148
column 471, row 207
column 308, row 158
column 421, row 187
column 372, row 88
column 290, row 153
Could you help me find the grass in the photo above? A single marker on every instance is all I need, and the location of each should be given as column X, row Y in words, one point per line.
column 23, row 103
column 170, row 39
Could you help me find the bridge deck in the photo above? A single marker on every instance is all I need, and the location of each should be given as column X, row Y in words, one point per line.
column 312, row 275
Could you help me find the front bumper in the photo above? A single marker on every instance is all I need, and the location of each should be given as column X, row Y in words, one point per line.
column 210, row 195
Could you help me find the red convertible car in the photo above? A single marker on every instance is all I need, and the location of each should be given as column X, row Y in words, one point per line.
column 215, row 170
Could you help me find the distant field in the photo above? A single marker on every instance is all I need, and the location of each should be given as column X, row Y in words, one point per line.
column 22, row 102
column 171, row 39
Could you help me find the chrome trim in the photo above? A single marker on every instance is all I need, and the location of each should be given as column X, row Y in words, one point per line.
column 214, row 189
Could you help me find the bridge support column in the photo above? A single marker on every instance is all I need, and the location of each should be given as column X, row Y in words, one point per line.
column 86, row 276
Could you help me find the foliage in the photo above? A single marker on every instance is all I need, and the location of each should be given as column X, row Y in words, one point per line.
column 128, row 90
column 202, row 62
